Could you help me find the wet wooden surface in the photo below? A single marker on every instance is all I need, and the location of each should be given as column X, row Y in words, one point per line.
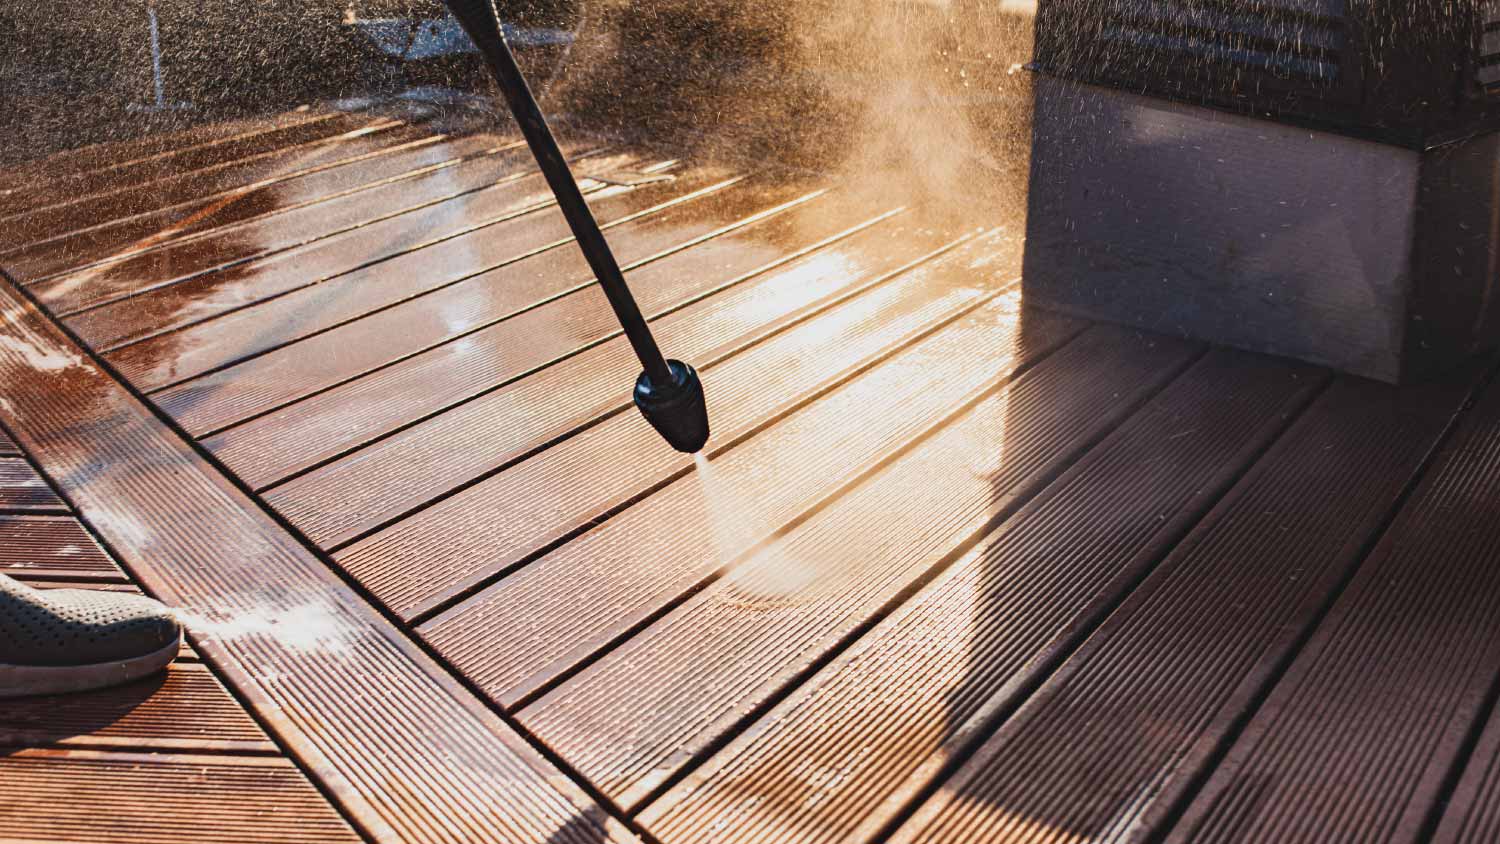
column 118, row 764
column 958, row 570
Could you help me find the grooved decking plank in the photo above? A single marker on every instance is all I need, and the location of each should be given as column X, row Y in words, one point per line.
column 373, row 255
column 110, row 154
column 1473, row 812
column 8, row 447
column 348, row 497
column 202, row 187
column 22, row 489
column 838, row 758
column 176, row 243
column 521, row 633
column 1401, row 666
column 159, row 299
column 184, row 709
column 464, row 366
column 52, row 546
column 461, row 269
column 1112, row 741
column 695, row 673
column 140, row 175
column 70, row 796
column 540, row 501
column 406, row 751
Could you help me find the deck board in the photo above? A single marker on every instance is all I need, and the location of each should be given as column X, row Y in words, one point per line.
column 511, row 191
column 1404, row 693
column 71, row 163
column 490, row 330
column 757, row 628
column 171, row 246
column 160, row 310
column 525, row 631
column 345, row 499
column 1235, row 597
column 68, row 796
column 1472, row 815
column 537, row 503
column 226, row 562
column 962, row 570
column 921, row 684
column 469, row 257
column 52, row 546
column 351, row 141
column 183, row 710
column 22, row 490
column 276, row 216
column 143, row 173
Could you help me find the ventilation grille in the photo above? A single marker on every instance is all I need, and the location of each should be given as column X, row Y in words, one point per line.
column 1488, row 68
column 1238, row 46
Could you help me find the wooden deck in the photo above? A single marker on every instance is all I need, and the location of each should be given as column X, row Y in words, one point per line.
column 339, row 386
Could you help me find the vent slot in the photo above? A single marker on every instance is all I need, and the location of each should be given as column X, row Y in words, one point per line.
column 1270, row 43
column 1488, row 67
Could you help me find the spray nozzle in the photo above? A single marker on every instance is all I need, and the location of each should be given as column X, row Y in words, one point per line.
column 677, row 410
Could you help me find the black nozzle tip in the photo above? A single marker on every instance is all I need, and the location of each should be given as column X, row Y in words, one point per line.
column 677, row 410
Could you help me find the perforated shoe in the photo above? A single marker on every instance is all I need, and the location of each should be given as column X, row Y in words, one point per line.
column 69, row 640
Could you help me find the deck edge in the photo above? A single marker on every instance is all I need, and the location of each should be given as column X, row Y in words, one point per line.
column 229, row 561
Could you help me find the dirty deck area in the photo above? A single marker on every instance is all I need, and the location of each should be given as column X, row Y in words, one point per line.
column 957, row 570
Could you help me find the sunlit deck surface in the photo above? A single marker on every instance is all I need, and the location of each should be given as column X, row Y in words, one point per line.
column 337, row 383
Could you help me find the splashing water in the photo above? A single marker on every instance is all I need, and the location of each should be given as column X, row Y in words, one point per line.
column 768, row 578
column 309, row 627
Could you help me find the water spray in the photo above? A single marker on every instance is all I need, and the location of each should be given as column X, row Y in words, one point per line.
column 668, row 392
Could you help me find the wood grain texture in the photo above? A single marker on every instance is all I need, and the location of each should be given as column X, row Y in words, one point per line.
column 1402, row 665
column 184, row 709
column 22, row 490
column 407, row 752
column 266, row 219
column 1119, row 734
column 52, row 547
column 74, row 796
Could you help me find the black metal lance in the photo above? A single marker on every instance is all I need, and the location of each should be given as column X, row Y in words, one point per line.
column 668, row 392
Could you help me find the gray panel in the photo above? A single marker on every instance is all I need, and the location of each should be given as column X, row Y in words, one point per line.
column 1220, row 227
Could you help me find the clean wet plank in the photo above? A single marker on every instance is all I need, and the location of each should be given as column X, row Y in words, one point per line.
column 140, row 172
column 1403, row 664
column 178, row 242
column 1120, row 734
column 166, row 296
column 584, row 479
column 522, row 633
column 70, row 796
column 52, row 546
column 397, row 474
column 473, row 337
column 348, row 140
column 907, row 696
column 208, row 324
column 300, row 647
column 110, row 154
column 747, row 637
column 184, row 709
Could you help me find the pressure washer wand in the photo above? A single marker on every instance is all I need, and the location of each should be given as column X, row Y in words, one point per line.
column 668, row 392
